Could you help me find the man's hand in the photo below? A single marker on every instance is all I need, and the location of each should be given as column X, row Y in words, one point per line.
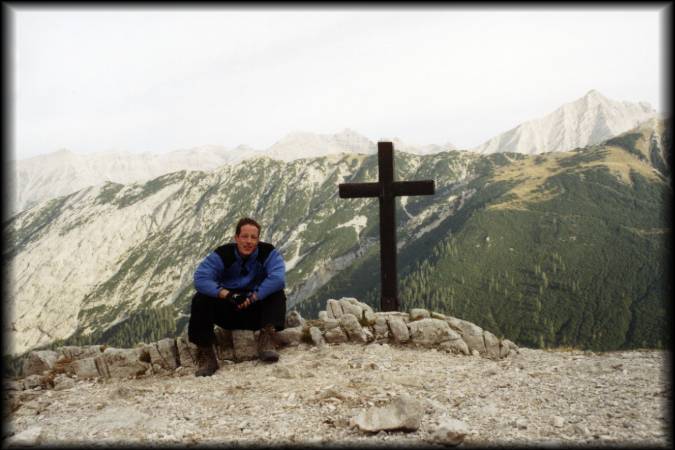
column 246, row 303
column 238, row 300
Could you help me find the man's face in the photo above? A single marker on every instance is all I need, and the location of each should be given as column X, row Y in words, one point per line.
column 247, row 240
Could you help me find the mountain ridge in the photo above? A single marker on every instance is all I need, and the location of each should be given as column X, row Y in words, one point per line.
column 60, row 173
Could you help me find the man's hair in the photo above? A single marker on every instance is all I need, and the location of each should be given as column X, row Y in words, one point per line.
column 247, row 221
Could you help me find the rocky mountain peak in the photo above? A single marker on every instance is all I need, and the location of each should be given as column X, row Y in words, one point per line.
column 588, row 120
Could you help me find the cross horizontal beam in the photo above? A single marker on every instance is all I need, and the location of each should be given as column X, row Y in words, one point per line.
column 398, row 188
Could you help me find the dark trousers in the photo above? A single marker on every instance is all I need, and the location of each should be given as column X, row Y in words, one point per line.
column 206, row 312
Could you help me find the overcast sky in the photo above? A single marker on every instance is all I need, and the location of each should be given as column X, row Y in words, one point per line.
column 159, row 79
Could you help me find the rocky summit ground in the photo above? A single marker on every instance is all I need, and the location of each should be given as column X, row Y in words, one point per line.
column 314, row 395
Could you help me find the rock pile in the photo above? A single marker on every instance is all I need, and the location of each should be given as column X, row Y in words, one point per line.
column 344, row 320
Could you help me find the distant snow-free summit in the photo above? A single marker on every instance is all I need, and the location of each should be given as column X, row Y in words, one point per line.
column 587, row 121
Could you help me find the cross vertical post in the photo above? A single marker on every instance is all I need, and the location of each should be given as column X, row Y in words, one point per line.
column 386, row 189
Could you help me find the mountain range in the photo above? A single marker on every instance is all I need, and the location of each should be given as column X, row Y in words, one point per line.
column 558, row 248
column 586, row 121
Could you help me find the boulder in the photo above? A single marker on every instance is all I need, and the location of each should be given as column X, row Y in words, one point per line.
column 370, row 337
column 121, row 363
column 32, row 381
column 84, row 368
column 455, row 346
column 368, row 313
column 369, row 316
column 471, row 333
column 294, row 319
column 30, row 437
column 352, row 327
column 163, row 355
column 72, row 352
column 398, row 329
column 323, row 316
column 62, row 382
column 334, row 309
column 37, row 362
column 450, row 432
column 316, row 336
column 403, row 413
column 330, row 323
column 430, row 332
column 187, row 352
column 335, row 336
column 437, row 315
column 401, row 315
column 492, row 345
column 380, row 328
column 418, row 314
column 289, row 336
column 245, row 345
column 352, row 308
column 513, row 347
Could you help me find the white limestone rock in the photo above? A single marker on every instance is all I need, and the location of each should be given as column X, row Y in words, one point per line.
column 330, row 323
column 84, row 368
column 72, row 352
column 450, row 432
column 289, row 336
column 32, row 381
column 430, row 332
column 403, row 413
column 398, row 329
column 353, row 328
column 121, row 363
column 352, row 308
column 294, row 319
column 510, row 345
column 29, row 437
column 419, row 313
column 471, row 333
column 316, row 336
column 400, row 314
column 37, row 362
column 63, row 382
column 335, row 336
column 163, row 355
column 334, row 309
column 455, row 346
column 380, row 328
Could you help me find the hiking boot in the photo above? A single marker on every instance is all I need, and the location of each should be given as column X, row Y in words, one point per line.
column 206, row 361
column 266, row 347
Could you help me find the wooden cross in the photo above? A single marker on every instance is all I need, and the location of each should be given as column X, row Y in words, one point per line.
column 386, row 189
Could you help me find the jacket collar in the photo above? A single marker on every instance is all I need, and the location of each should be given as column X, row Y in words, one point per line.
column 251, row 257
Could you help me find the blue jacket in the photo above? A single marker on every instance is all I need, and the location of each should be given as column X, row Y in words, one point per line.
column 263, row 278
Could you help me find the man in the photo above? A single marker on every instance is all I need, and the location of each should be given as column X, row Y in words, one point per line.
column 240, row 286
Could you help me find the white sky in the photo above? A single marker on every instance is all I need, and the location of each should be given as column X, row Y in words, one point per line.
column 160, row 79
